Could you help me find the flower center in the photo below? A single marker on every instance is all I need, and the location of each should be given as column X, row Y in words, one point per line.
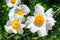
column 39, row 20
column 20, row 12
column 16, row 24
column 13, row 1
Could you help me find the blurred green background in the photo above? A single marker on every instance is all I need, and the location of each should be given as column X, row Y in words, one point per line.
column 53, row 34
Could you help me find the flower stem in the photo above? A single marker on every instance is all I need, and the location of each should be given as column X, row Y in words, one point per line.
column 57, row 10
column 10, row 36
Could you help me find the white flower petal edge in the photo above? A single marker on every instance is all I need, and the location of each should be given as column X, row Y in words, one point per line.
column 11, row 14
column 30, row 25
column 20, row 31
column 29, row 20
column 23, row 25
column 8, row 23
column 8, row 29
column 34, row 29
column 25, row 8
column 14, row 31
column 42, row 31
column 38, row 9
column 49, row 12
column 50, row 23
column 9, row 4
column 50, row 20
column 21, row 18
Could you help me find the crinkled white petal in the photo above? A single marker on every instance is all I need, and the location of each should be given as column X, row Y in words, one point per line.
column 30, row 19
column 21, row 19
column 25, row 8
column 38, row 9
column 14, row 31
column 50, row 23
column 30, row 25
column 11, row 14
column 8, row 23
column 42, row 31
column 49, row 12
column 34, row 29
column 8, row 28
column 9, row 5
column 20, row 31
column 23, row 25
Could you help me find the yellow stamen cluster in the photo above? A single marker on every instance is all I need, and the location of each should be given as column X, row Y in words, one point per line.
column 13, row 1
column 16, row 24
column 39, row 20
column 20, row 12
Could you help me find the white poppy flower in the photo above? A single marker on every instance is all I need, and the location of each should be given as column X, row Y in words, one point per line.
column 12, row 3
column 19, row 11
column 14, row 26
column 41, row 22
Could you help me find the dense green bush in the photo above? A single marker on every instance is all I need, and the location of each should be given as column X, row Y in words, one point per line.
column 54, row 34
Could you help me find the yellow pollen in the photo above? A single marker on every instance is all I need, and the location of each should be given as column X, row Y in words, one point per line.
column 16, row 24
column 20, row 12
column 39, row 20
column 13, row 1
